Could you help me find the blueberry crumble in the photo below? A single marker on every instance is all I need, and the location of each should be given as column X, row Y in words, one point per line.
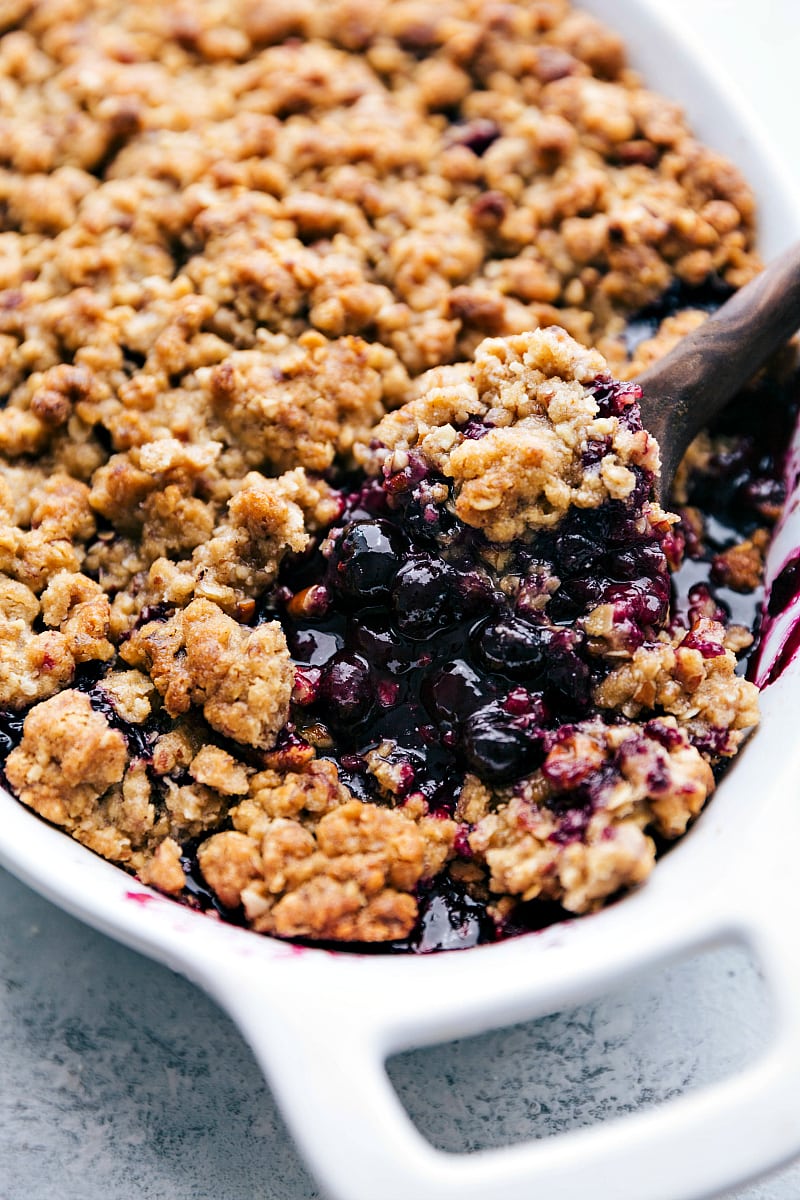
column 334, row 599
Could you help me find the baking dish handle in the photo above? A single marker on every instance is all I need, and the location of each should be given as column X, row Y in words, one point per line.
column 327, row 1071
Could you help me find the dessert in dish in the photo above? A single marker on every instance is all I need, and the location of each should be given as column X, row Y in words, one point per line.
column 334, row 596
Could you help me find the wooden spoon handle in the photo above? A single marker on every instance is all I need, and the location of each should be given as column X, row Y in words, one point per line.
column 688, row 387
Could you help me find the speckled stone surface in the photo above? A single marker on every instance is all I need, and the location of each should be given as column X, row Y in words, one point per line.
column 120, row 1081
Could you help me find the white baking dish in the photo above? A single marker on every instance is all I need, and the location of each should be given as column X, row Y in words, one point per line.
column 322, row 1024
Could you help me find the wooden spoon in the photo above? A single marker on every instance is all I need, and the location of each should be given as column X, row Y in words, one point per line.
column 683, row 391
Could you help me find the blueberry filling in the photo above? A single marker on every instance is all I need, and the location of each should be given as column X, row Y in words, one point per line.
column 738, row 491
column 140, row 738
column 406, row 636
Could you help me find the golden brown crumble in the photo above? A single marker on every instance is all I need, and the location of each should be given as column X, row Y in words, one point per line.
column 742, row 566
column 68, row 758
column 307, row 860
column 243, row 243
column 528, row 470
column 517, row 831
column 241, row 678
column 702, row 691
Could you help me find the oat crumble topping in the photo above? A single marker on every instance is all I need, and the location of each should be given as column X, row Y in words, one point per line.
column 332, row 589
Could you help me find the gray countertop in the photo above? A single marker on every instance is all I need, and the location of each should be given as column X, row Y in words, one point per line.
column 120, row 1081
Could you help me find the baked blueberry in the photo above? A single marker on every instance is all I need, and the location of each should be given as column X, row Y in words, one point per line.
column 453, row 691
column 498, row 746
column 424, row 596
column 346, row 688
column 364, row 560
column 512, row 647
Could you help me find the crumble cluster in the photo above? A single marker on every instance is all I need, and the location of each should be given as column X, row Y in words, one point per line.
column 306, row 860
column 520, row 434
column 657, row 780
column 234, row 238
column 643, row 778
